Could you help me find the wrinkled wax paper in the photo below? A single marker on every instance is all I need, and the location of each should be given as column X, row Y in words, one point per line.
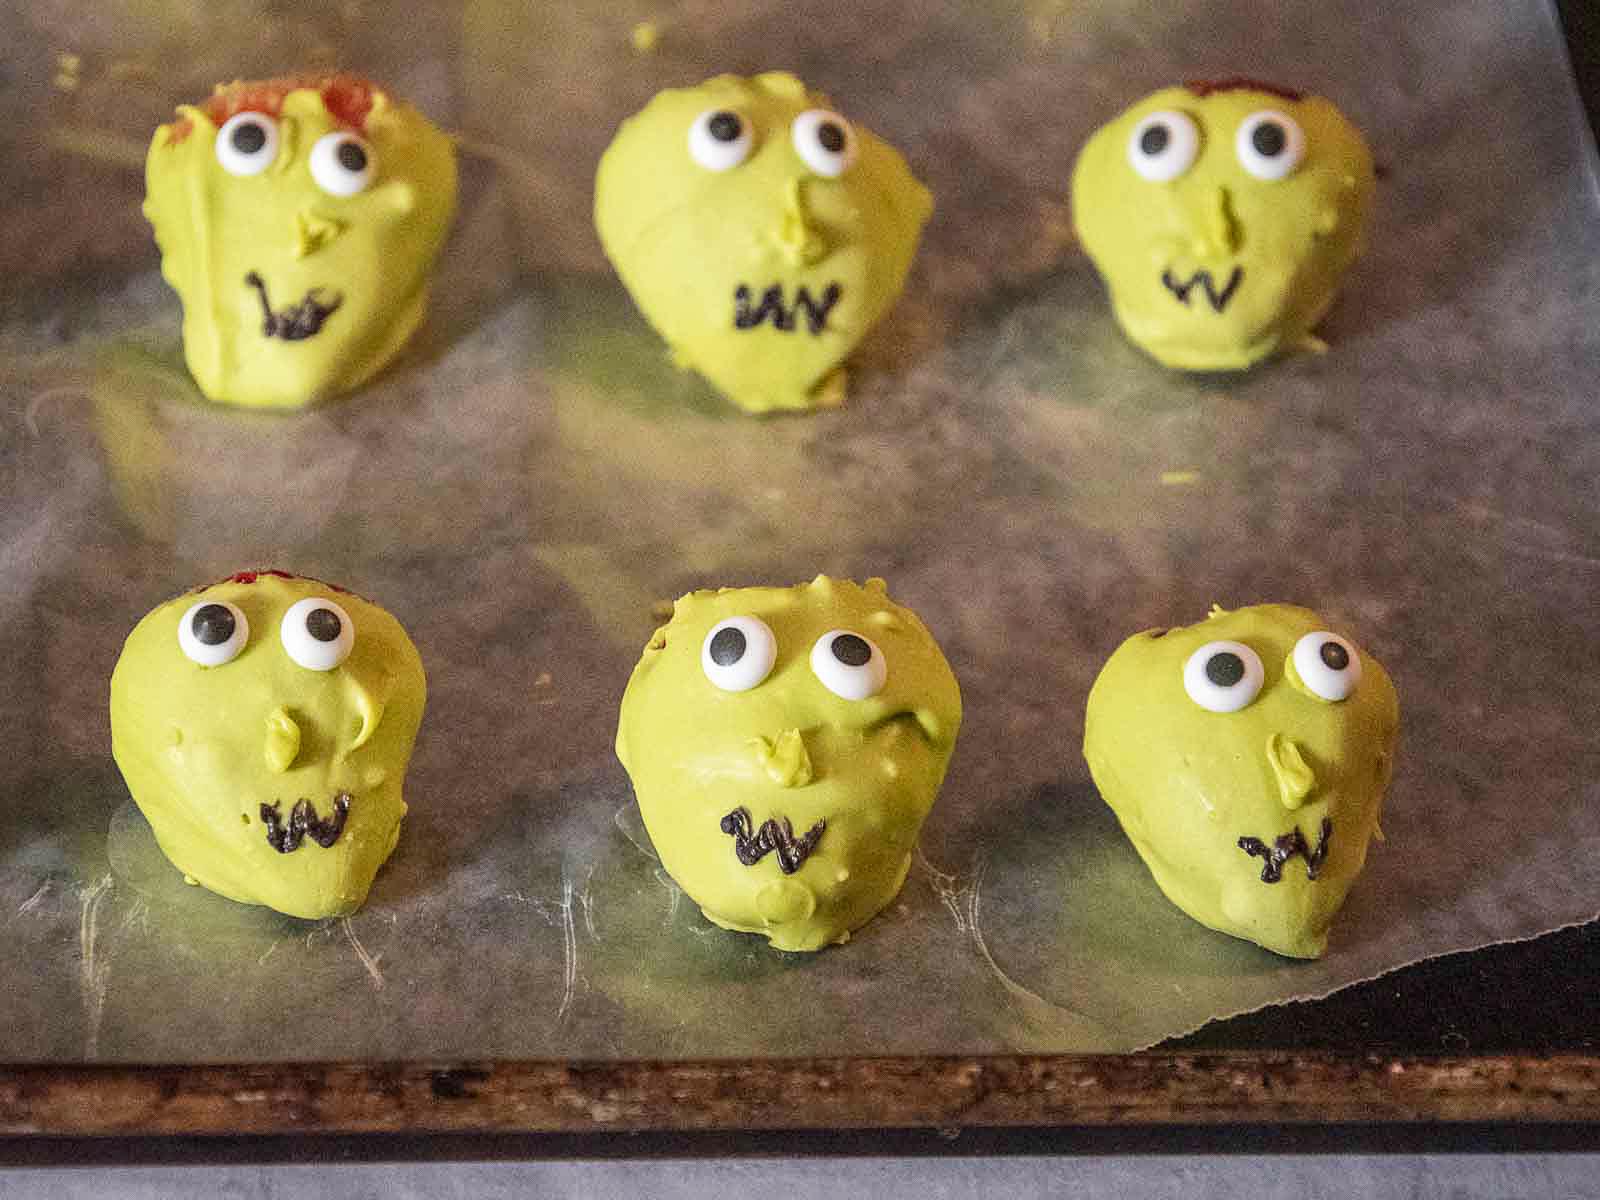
column 529, row 484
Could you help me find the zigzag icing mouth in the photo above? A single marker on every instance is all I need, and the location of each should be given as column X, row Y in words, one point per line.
column 748, row 314
column 1291, row 845
column 1218, row 300
column 304, row 823
column 298, row 321
column 776, row 836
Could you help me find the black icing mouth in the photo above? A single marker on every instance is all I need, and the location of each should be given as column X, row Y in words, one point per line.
column 1291, row 845
column 1202, row 278
column 776, row 836
column 304, row 823
column 784, row 317
column 298, row 321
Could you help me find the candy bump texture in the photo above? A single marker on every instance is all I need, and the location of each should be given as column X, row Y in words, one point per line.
column 789, row 806
column 760, row 233
column 264, row 779
column 1252, row 808
column 1223, row 217
column 298, row 221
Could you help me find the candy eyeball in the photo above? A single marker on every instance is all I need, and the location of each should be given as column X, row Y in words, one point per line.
column 342, row 164
column 738, row 653
column 347, row 198
column 1223, row 677
column 317, row 633
column 824, row 141
column 247, row 143
column 849, row 665
column 213, row 632
column 720, row 139
column 1270, row 144
column 761, row 234
column 1163, row 146
column 1328, row 665
column 1257, row 823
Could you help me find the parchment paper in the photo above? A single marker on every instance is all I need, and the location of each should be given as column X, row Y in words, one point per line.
column 532, row 480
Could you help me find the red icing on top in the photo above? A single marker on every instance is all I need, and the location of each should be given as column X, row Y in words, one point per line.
column 1207, row 87
column 348, row 99
column 252, row 576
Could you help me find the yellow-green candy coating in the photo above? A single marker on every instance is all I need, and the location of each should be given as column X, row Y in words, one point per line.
column 1222, row 218
column 1255, row 822
column 220, row 757
column 791, row 806
column 760, row 233
column 298, row 221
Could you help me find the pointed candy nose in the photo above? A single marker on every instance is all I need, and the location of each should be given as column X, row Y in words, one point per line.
column 313, row 231
column 785, row 760
column 1296, row 779
column 282, row 741
column 798, row 237
column 1214, row 230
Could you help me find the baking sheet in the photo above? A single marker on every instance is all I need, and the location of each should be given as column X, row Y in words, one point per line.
column 529, row 484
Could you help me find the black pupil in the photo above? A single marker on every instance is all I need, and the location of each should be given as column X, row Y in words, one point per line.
column 323, row 624
column 352, row 157
column 1154, row 140
column 1269, row 139
column 1334, row 656
column 831, row 137
column 728, row 646
column 851, row 650
column 212, row 625
column 726, row 127
column 1225, row 669
column 249, row 137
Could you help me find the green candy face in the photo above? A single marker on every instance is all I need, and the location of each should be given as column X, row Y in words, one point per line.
column 264, row 725
column 785, row 745
column 1247, row 757
column 759, row 232
column 1222, row 220
column 298, row 222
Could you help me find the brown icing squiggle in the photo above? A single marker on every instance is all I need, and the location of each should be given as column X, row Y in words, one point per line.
column 303, row 823
column 776, row 836
column 1288, row 846
column 749, row 315
column 298, row 321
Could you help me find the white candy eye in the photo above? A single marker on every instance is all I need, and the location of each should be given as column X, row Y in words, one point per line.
column 317, row 633
column 247, row 143
column 824, row 141
column 1269, row 144
column 738, row 653
column 342, row 164
column 849, row 665
column 213, row 632
column 1164, row 145
column 720, row 139
column 1223, row 677
column 1328, row 665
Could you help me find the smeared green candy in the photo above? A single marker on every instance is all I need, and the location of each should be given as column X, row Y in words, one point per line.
column 764, row 269
column 1188, row 784
column 204, row 748
column 1218, row 267
column 789, row 749
column 356, row 266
